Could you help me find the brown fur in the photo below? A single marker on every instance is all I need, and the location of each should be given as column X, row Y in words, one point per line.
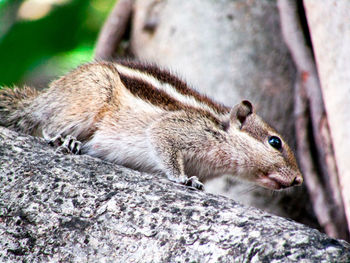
column 13, row 105
column 124, row 119
column 181, row 86
column 146, row 92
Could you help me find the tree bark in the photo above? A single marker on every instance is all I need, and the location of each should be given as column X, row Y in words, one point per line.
column 113, row 30
column 67, row 208
column 314, row 145
column 330, row 33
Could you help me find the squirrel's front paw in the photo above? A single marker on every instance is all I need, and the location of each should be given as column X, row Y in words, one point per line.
column 68, row 144
column 192, row 182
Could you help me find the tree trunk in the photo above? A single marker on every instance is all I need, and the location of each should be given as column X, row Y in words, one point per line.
column 314, row 144
column 330, row 33
column 67, row 208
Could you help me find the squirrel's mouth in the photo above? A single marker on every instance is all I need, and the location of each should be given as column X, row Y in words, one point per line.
column 272, row 182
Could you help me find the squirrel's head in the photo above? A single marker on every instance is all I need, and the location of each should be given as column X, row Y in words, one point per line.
column 265, row 158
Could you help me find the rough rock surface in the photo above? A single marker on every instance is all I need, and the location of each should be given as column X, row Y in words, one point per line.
column 65, row 208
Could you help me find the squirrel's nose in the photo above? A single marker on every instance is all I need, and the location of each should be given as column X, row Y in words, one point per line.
column 298, row 180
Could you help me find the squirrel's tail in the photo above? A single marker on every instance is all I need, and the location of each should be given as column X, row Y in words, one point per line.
column 14, row 104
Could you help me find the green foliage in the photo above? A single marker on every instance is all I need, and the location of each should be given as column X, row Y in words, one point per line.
column 51, row 45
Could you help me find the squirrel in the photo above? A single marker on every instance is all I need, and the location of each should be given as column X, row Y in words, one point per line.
column 143, row 117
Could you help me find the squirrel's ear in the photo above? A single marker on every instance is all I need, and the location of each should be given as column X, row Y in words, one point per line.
column 240, row 112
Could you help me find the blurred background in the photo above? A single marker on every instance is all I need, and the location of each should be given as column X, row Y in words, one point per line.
column 43, row 39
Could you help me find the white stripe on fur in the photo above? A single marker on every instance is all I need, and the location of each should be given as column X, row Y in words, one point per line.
column 165, row 87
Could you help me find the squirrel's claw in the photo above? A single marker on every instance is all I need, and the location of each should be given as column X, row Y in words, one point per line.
column 68, row 144
column 194, row 182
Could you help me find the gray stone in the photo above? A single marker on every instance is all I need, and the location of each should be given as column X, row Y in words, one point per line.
column 69, row 208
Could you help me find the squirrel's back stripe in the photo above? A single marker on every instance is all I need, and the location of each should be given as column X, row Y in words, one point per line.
column 149, row 93
column 160, row 99
column 160, row 87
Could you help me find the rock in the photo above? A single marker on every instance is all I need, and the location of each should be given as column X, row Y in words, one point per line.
column 69, row 208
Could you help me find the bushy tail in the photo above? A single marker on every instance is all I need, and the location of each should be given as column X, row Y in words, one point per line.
column 14, row 104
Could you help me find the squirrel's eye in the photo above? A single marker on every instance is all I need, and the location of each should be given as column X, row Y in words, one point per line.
column 275, row 142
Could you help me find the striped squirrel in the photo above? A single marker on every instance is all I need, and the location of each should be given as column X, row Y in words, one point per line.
column 145, row 118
